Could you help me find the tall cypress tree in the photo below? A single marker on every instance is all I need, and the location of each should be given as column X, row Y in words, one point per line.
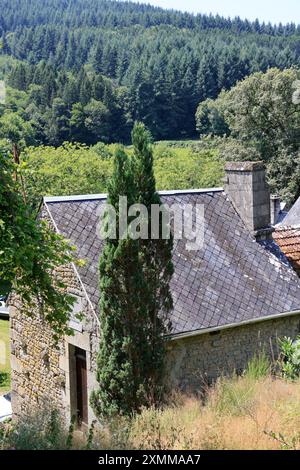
column 121, row 282
column 135, row 297
column 156, row 257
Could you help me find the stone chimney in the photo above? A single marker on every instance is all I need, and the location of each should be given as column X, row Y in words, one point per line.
column 245, row 185
column 275, row 208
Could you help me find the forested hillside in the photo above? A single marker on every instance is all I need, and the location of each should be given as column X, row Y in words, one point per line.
column 124, row 62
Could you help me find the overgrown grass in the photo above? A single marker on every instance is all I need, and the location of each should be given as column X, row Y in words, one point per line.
column 4, row 357
column 239, row 413
column 253, row 411
column 258, row 367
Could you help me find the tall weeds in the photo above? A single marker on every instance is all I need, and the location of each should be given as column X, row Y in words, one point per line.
column 255, row 411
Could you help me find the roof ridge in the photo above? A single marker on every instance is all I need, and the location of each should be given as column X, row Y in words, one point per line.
column 93, row 197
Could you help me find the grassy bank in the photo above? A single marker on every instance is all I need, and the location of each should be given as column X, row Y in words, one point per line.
column 4, row 357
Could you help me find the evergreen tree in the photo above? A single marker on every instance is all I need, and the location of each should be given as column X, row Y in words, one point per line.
column 135, row 296
column 168, row 61
column 155, row 254
column 120, row 369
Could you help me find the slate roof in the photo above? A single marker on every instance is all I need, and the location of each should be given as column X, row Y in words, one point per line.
column 293, row 217
column 231, row 280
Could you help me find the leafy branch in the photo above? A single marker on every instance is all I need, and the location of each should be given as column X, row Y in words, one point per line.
column 30, row 251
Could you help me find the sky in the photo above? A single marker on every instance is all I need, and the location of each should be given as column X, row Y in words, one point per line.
column 274, row 11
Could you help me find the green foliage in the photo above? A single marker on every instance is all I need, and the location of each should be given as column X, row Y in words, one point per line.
column 233, row 396
column 52, row 106
column 15, row 129
column 69, row 169
column 78, row 169
column 235, row 150
column 4, row 380
column 29, row 253
column 5, row 368
column 286, row 443
column 103, row 151
column 135, row 295
column 236, row 395
column 290, row 357
column 210, row 119
column 263, row 115
column 45, row 429
column 90, row 437
column 188, row 167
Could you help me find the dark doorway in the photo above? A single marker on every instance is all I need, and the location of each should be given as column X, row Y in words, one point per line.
column 81, row 386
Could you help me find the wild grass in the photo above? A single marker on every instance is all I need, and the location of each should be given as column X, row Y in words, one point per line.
column 240, row 413
column 254, row 411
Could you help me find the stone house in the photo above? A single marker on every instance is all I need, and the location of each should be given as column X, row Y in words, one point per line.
column 232, row 298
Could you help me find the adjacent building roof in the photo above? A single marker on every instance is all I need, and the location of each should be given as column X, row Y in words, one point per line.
column 232, row 279
column 287, row 236
column 292, row 218
column 288, row 239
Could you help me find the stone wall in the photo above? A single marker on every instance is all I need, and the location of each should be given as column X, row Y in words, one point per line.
column 194, row 362
column 41, row 371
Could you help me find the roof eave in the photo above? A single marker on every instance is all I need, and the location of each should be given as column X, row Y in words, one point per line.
column 195, row 333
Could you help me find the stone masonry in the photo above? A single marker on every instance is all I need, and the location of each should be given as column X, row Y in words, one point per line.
column 41, row 371
column 196, row 361
column 246, row 186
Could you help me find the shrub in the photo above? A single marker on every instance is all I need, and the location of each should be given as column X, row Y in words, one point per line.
column 290, row 357
column 4, row 379
column 102, row 150
column 42, row 430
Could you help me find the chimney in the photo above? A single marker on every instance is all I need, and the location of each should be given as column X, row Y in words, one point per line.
column 245, row 184
column 275, row 208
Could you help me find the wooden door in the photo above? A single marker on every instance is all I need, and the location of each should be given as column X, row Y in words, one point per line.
column 81, row 380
